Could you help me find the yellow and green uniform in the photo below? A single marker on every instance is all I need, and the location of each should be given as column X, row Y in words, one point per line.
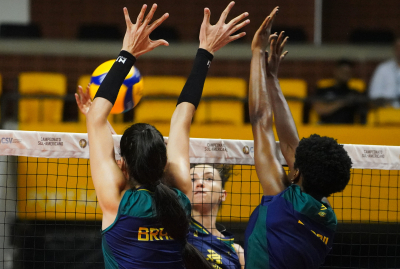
column 136, row 239
column 219, row 251
column 289, row 230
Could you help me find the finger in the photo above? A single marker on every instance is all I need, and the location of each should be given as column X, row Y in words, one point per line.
column 207, row 15
column 160, row 42
column 240, row 26
column 80, row 93
column 78, row 102
column 265, row 23
column 271, row 37
column 284, row 55
column 272, row 15
column 127, row 18
column 238, row 18
column 150, row 15
column 279, row 42
column 283, row 44
column 226, row 12
column 141, row 15
column 88, row 88
column 273, row 43
column 158, row 22
column 234, row 37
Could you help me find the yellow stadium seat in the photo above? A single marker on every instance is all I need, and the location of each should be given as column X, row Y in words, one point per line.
column 222, row 101
column 384, row 116
column 158, row 110
column 294, row 89
column 354, row 83
column 37, row 109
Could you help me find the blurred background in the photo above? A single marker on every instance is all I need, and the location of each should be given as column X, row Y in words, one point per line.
column 341, row 78
column 334, row 50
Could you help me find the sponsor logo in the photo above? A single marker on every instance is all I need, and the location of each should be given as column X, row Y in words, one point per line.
column 322, row 214
column 9, row 140
column 50, row 141
column 215, row 147
column 82, row 143
column 248, row 150
column 121, row 59
column 372, row 153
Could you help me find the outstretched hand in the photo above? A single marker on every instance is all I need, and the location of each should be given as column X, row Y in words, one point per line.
column 261, row 37
column 83, row 100
column 137, row 40
column 214, row 37
column 276, row 54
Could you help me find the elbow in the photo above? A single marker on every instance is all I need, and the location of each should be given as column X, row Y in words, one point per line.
column 263, row 117
column 93, row 118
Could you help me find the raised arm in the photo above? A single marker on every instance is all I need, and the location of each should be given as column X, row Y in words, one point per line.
column 108, row 179
column 212, row 38
column 284, row 123
column 268, row 168
column 84, row 102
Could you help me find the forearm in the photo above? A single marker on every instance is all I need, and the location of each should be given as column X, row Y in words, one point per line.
column 178, row 141
column 285, row 125
column 109, row 88
column 259, row 103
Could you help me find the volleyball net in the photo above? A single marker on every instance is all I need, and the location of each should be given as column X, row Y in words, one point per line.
column 50, row 218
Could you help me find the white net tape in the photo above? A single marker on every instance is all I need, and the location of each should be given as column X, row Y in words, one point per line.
column 76, row 145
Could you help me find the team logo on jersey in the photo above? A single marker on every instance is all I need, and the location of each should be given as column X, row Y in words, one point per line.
column 214, row 257
column 322, row 214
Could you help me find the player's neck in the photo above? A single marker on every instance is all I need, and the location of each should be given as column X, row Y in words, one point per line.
column 207, row 219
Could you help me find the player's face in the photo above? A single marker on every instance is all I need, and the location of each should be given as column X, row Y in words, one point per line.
column 207, row 185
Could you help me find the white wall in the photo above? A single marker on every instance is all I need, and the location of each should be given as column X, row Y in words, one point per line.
column 15, row 11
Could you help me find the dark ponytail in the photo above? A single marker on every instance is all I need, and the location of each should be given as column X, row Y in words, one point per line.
column 144, row 150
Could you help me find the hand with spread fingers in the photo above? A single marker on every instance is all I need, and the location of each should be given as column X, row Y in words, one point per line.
column 261, row 37
column 83, row 100
column 276, row 54
column 137, row 40
column 214, row 37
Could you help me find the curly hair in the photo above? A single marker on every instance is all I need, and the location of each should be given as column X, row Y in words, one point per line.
column 324, row 164
column 224, row 170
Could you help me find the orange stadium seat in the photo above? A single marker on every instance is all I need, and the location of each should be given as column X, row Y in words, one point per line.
column 294, row 89
column 222, row 101
column 39, row 108
column 150, row 110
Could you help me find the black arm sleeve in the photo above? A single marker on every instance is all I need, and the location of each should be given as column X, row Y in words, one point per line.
column 193, row 88
column 109, row 87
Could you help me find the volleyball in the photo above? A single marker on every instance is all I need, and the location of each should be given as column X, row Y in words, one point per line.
column 130, row 92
